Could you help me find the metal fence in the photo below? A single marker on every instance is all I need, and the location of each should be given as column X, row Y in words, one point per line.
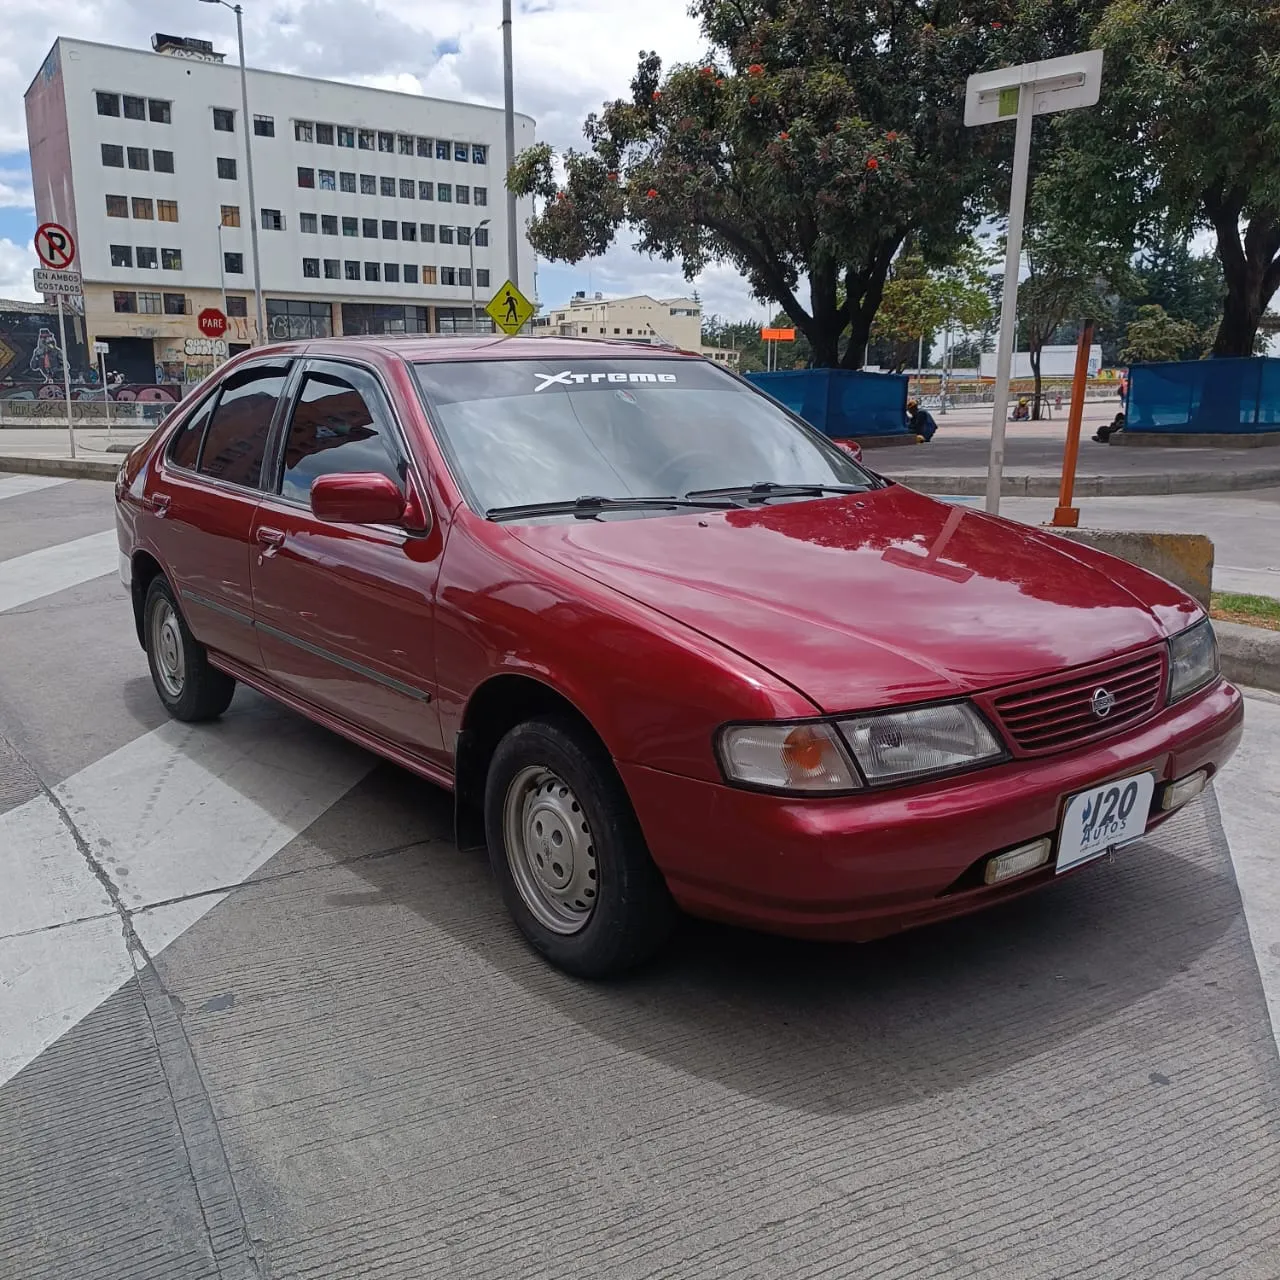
column 1226, row 397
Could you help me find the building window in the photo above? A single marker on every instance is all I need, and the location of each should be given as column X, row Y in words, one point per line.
column 161, row 111
column 332, row 268
column 410, row 273
column 162, row 161
column 442, row 150
column 426, row 190
column 424, row 148
column 346, row 137
column 388, row 186
column 233, row 264
column 347, row 182
column 264, row 126
column 167, row 210
column 382, row 317
column 372, row 271
column 463, row 194
column 121, row 255
column 405, row 144
column 227, row 167
column 351, row 226
column 391, row 272
column 324, row 135
column 364, row 139
column 428, row 230
column 464, row 275
column 481, row 237
column 224, row 120
column 408, row 231
column 302, row 131
column 311, row 268
column 175, row 304
column 150, row 304
column 386, row 142
column 482, row 277
column 272, row 220
column 448, row 275
column 328, row 180
column 368, row 185
column 171, row 259
column 146, row 257
column 117, row 206
column 109, row 105
column 428, row 275
column 480, row 195
column 112, row 155
column 406, row 188
column 134, row 108
column 369, row 228
column 464, row 235
column 293, row 318
column 142, row 207
column 121, row 299
column 388, row 229
column 444, row 192
column 238, row 306
column 479, row 154
column 306, row 177
column 139, row 158
column 446, row 235
column 307, row 223
column 461, row 152
column 351, row 269
column 329, row 224
column 230, row 215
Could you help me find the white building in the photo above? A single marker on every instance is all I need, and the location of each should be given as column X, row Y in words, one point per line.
column 370, row 203
column 1055, row 362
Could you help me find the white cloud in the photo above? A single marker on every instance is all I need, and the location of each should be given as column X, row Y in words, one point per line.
column 16, row 264
column 15, row 189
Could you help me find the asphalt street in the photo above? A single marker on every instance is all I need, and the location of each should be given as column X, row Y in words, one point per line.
column 259, row 1017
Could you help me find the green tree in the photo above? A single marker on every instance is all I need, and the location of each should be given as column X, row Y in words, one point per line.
column 813, row 140
column 1155, row 335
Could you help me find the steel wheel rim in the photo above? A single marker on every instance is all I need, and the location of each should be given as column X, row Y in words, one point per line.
column 550, row 850
column 167, row 648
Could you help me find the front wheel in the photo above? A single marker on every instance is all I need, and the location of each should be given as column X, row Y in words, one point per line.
column 568, row 852
column 190, row 688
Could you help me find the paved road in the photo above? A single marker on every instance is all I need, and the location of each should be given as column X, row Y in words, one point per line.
column 260, row 1018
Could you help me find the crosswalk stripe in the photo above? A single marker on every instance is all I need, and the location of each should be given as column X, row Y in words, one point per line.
column 15, row 486
column 180, row 811
column 52, row 569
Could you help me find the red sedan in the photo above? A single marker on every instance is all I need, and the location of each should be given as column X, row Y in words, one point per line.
column 668, row 646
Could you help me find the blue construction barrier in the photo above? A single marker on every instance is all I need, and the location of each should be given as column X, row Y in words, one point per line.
column 1234, row 396
column 841, row 402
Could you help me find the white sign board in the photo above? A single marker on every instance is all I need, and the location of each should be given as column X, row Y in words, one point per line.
column 54, row 282
column 1057, row 84
column 101, row 349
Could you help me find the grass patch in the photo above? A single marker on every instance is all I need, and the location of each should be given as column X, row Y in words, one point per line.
column 1254, row 611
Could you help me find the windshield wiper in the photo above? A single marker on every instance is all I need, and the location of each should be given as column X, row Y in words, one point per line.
column 590, row 506
column 762, row 490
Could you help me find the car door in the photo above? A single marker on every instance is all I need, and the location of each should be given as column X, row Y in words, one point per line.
column 345, row 611
column 204, row 495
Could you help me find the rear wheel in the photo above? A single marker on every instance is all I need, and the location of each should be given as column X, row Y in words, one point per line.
column 568, row 852
column 190, row 688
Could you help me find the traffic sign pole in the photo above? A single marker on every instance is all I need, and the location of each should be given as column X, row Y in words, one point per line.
column 66, row 375
column 106, row 397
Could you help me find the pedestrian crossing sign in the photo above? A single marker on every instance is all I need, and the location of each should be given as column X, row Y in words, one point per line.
column 509, row 309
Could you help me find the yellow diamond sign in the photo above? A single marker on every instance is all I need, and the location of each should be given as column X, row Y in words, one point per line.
column 509, row 309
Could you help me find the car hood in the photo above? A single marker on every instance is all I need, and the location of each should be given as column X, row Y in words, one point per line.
column 876, row 598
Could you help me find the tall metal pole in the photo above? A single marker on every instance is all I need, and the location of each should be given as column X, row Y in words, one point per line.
column 1009, row 302
column 66, row 374
column 508, row 90
column 248, row 165
column 471, row 257
column 106, row 395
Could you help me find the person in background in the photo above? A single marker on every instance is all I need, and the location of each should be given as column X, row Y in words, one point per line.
column 1107, row 430
column 920, row 421
column 1021, row 411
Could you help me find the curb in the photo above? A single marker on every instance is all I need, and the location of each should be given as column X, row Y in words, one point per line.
column 1025, row 486
column 1249, row 655
column 71, row 468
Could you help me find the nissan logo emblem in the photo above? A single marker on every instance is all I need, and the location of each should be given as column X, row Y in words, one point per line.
column 1102, row 702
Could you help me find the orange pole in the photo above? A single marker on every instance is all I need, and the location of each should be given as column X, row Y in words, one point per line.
column 1065, row 515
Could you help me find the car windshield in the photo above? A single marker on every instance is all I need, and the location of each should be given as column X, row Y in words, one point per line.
column 523, row 432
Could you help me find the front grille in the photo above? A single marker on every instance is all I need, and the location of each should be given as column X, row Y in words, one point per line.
column 1056, row 714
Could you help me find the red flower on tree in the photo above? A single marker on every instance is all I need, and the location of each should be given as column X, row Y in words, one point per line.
column 652, row 193
column 784, row 136
column 708, row 71
column 995, row 26
column 872, row 162
column 891, row 136
column 755, row 69
column 755, row 102
column 656, row 95
column 613, row 177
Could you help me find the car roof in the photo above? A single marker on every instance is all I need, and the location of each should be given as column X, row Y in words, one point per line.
column 436, row 347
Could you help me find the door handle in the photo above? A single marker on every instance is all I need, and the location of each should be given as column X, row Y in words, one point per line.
column 271, row 540
column 160, row 504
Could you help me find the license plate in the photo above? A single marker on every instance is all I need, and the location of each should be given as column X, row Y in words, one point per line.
column 1103, row 817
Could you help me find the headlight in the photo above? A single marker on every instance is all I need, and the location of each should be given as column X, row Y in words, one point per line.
column 898, row 745
column 1193, row 659
column 787, row 757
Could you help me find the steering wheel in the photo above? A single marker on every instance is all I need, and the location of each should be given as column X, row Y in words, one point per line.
column 684, row 462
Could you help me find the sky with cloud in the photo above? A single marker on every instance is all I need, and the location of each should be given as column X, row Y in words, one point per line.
column 570, row 56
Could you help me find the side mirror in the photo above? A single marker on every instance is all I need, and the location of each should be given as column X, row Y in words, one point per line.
column 361, row 497
column 851, row 447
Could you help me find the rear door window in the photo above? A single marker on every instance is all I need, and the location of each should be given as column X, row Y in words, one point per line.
column 184, row 448
column 236, row 440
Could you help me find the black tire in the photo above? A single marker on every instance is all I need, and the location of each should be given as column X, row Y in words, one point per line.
column 188, row 686
column 632, row 913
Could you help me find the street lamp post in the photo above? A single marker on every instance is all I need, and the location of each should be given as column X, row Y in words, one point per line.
column 248, row 166
column 513, row 238
column 471, row 251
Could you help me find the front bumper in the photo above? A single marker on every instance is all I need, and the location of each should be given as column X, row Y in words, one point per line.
column 863, row 866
